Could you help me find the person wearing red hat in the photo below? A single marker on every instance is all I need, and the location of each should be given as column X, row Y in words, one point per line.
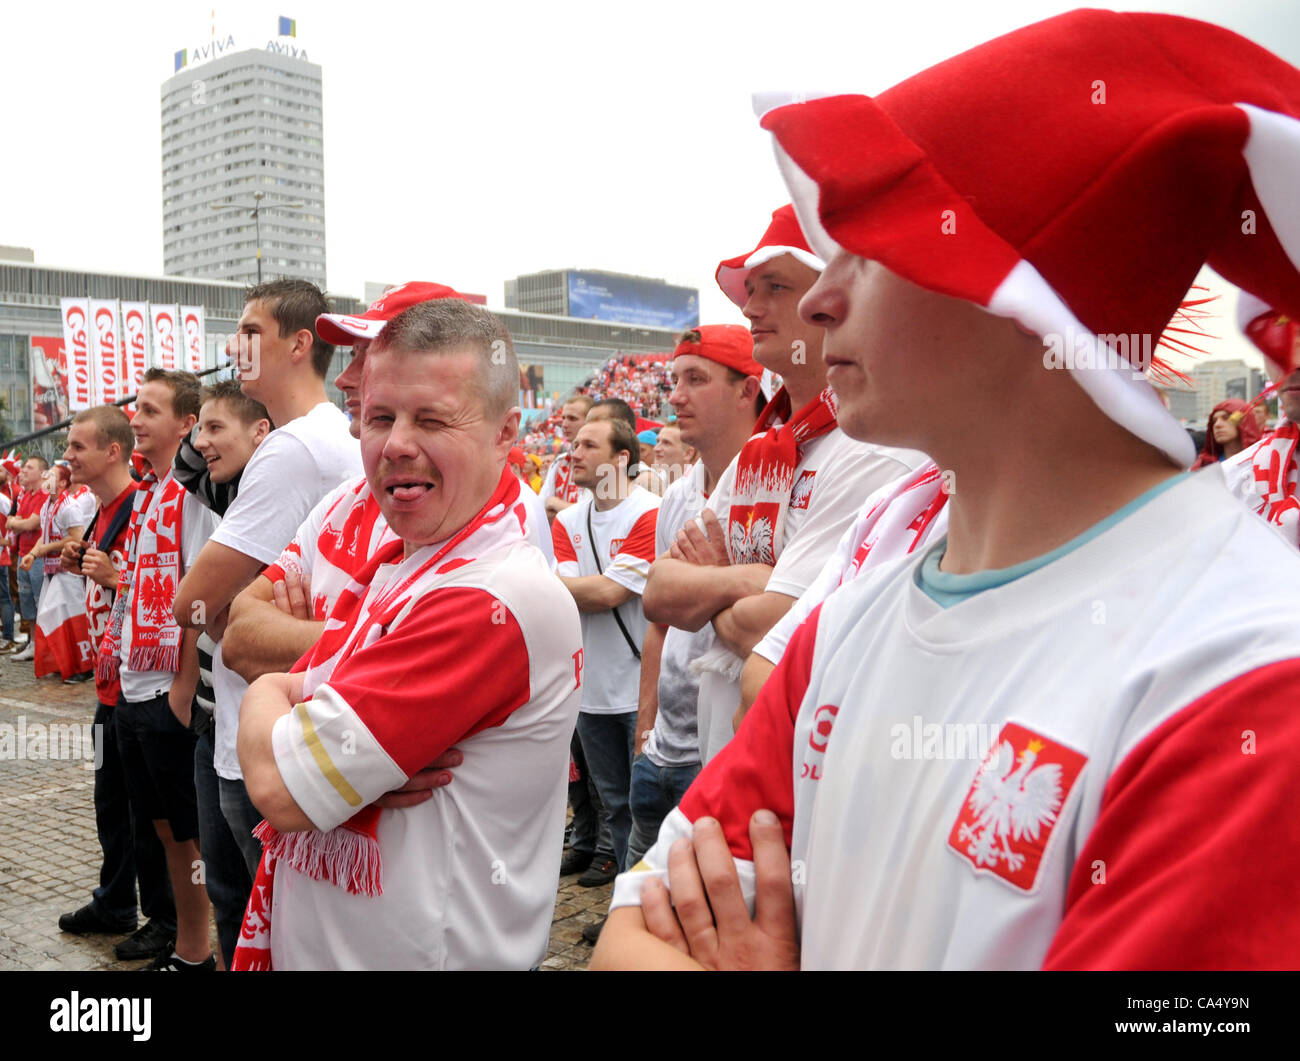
column 785, row 499
column 1231, row 428
column 995, row 753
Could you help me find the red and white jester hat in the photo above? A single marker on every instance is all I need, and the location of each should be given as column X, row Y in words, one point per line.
column 342, row 329
column 1073, row 175
column 783, row 236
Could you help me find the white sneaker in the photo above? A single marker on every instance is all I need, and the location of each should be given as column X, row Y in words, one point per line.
column 27, row 653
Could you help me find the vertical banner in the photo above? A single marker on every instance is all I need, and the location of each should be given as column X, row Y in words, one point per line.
column 105, row 350
column 81, row 380
column 135, row 344
column 163, row 325
column 192, row 320
column 49, row 381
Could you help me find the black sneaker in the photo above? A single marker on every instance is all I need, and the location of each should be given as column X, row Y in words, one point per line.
column 591, row 932
column 76, row 679
column 149, row 941
column 171, row 963
column 601, row 871
column 88, row 919
column 575, row 862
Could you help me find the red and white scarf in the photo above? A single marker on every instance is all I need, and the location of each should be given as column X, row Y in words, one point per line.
column 900, row 521
column 153, row 567
column 52, row 507
column 1274, row 462
column 348, row 856
column 565, row 488
column 765, row 475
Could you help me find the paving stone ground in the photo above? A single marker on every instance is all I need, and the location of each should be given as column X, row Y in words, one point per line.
column 49, row 852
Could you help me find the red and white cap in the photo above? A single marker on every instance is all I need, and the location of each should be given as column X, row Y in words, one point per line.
column 727, row 344
column 1074, row 176
column 1273, row 333
column 342, row 329
column 783, row 236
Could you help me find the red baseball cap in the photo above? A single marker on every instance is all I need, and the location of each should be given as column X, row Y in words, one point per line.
column 341, row 329
column 727, row 344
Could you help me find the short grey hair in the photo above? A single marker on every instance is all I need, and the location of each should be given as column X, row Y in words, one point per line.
column 447, row 325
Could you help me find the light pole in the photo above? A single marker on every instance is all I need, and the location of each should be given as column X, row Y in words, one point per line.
column 255, row 212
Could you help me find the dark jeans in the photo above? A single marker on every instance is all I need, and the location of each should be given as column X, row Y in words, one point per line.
column 243, row 818
column 225, row 873
column 131, row 846
column 591, row 833
column 655, row 791
column 607, row 743
column 6, row 607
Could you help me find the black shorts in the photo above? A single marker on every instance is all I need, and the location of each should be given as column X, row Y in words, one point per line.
column 158, row 761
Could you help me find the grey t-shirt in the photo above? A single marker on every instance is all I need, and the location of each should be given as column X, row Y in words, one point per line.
column 674, row 740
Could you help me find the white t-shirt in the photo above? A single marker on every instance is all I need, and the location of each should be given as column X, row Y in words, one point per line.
column 197, row 524
column 1059, row 770
column 469, row 876
column 77, row 510
column 835, row 474
column 625, row 536
column 674, row 741
column 282, row 482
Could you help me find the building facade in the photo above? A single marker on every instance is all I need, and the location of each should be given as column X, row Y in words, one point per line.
column 240, row 126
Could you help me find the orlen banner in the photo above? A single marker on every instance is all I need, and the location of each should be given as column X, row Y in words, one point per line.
column 166, row 354
column 192, row 319
column 105, row 350
column 49, row 381
column 81, row 381
column 135, row 343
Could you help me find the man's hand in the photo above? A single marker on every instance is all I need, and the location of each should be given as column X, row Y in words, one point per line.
column 292, row 595
column 420, row 787
column 70, row 558
column 181, row 704
column 712, row 923
column 97, row 566
column 27, row 561
column 707, row 547
column 554, row 506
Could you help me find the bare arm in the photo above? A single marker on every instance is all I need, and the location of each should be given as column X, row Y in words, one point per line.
column 267, row 700
column 752, row 678
column 262, row 638
column 746, row 623
column 687, row 595
column 596, row 593
column 647, row 709
column 180, row 697
column 23, row 524
column 212, row 582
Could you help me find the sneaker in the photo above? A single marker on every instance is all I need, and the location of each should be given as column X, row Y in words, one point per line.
column 77, row 679
column 599, row 872
column 575, row 862
column 87, row 920
column 591, row 932
column 28, row 653
column 173, row 963
column 9, row 646
column 149, row 941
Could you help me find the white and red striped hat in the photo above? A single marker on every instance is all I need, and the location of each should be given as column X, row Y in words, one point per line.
column 343, row 329
column 783, row 236
column 1073, row 175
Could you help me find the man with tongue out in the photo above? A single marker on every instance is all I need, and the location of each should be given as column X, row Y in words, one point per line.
column 451, row 633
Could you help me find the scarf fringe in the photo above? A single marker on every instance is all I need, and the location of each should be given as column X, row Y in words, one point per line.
column 156, row 658
column 342, row 856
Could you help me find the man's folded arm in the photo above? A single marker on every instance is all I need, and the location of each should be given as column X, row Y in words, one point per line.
column 262, row 639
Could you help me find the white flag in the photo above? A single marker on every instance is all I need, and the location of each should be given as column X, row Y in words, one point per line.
column 192, row 319
column 81, row 381
column 105, row 350
column 165, row 353
column 135, row 332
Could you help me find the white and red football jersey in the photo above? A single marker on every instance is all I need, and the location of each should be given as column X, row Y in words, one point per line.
column 483, row 652
column 1091, row 766
column 625, row 541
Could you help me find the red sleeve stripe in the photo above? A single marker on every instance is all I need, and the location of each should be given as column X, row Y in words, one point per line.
column 756, row 769
column 564, row 550
column 640, row 540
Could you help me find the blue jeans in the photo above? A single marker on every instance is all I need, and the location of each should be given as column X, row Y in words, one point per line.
column 243, row 818
column 607, row 744
column 128, row 840
column 30, row 584
column 225, row 872
column 590, row 834
column 6, row 607
column 655, row 791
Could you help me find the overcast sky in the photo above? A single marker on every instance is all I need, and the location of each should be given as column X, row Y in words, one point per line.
column 468, row 144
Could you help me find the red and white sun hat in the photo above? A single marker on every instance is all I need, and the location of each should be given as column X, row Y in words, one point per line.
column 342, row 329
column 783, row 236
column 1273, row 333
column 1074, row 176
